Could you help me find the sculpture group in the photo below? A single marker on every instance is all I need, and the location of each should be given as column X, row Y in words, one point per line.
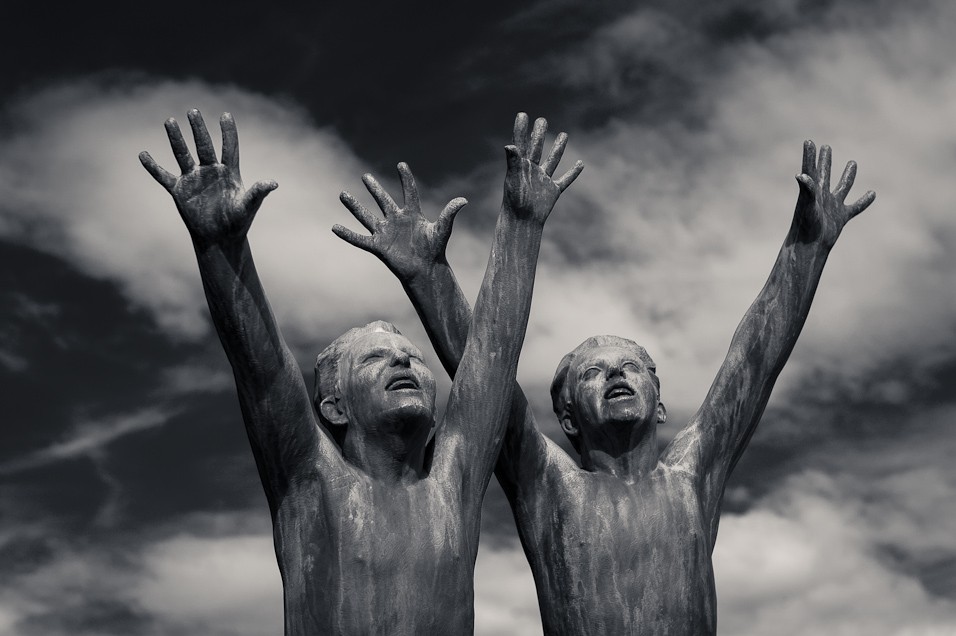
column 376, row 505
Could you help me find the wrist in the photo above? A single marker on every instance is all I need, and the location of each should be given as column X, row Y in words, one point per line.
column 226, row 245
column 520, row 215
column 423, row 275
column 812, row 233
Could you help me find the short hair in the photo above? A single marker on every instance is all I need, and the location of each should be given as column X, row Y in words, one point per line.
column 561, row 393
column 327, row 363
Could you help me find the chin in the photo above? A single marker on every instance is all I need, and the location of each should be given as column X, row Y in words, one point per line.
column 411, row 409
column 622, row 414
column 628, row 422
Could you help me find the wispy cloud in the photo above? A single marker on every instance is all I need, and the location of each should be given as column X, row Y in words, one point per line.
column 88, row 438
column 192, row 378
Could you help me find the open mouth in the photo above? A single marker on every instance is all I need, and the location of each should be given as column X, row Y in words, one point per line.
column 617, row 391
column 402, row 382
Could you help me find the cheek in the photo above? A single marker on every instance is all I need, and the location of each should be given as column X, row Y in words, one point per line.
column 591, row 399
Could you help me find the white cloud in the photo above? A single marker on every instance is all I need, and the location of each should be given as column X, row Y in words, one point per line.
column 910, row 485
column 505, row 600
column 805, row 562
column 70, row 583
column 213, row 585
column 221, row 584
column 84, row 196
column 690, row 218
column 694, row 216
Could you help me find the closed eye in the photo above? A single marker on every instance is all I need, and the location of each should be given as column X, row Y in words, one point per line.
column 631, row 366
column 591, row 372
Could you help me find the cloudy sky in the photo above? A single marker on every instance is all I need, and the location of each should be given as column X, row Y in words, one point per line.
column 129, row 500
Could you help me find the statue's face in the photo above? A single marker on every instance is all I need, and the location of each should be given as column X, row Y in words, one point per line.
column 385, row 382
column 611, row 385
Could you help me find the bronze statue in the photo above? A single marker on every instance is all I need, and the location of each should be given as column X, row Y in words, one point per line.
column 378, row 532
column 622, row 543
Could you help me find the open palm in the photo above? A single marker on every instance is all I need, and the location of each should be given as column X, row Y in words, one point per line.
column 530, row 187
column 407, row 242
column 822, row 214
column 209, row 196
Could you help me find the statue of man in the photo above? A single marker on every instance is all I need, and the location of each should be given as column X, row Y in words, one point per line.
column 621, row 543
column 378, row 533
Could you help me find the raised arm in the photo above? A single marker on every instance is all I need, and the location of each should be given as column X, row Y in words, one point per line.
column 218, row 212
column 414, row 249
column 722, row 427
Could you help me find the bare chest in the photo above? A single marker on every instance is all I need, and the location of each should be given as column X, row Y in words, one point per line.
column 623, row 558
column 360, row 557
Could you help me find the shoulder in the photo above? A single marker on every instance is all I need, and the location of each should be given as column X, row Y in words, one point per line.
column 685, row 453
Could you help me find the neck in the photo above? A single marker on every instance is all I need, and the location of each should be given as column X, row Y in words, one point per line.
column 387, row 456
column 629, row 457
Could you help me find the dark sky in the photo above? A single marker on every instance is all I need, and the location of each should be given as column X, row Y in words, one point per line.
column 129, row 500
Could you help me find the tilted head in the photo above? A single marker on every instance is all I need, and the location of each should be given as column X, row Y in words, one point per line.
column 374, row 378
column 607, row 381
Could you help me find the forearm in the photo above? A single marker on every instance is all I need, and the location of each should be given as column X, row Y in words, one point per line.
column 721, row 429
column 764, row 340
column 240, row 311
column 442, row 307
column 482, row 391
column 444, row 312
column 275, row 403
column 501, row 312
column 768, row 331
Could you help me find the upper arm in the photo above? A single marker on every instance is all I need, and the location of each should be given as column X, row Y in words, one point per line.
column 288, row 442
column 480, row 401
column 720, row 430
column 446, row 316
column 277, row 409
column 526, row 451
column 722, row 427
column 759, row 349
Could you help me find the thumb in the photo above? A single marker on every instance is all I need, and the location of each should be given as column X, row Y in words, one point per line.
column 254, row 196
column 513, row 156
column 806, row 183
column 447, row 217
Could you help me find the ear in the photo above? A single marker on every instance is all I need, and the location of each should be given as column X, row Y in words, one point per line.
column 661, row 413
column 332, row 411
column 567, row 425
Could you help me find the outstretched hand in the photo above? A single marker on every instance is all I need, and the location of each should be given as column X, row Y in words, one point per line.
column 209, row 196
column 407, row 242
column 821, row 214
column 530, row 190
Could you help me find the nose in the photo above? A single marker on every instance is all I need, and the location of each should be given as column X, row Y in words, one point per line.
column 400, row 359
column 615, row 370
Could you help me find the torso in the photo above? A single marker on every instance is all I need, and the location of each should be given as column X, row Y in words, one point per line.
column 611, row 557
column 358, row 556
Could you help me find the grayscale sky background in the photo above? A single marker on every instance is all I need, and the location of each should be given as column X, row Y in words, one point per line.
column 129, row 500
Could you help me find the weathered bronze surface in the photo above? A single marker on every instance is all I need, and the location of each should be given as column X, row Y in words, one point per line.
column 375, row 505
column 621, row 542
